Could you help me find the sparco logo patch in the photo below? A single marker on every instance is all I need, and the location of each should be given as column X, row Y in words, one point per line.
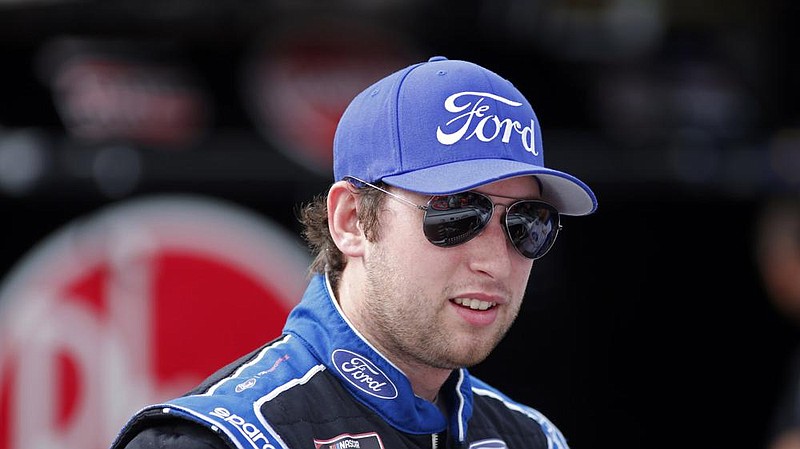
column 363, row 374
column 250, row 431
column 493, row 443
column 476, row 120
column 369, row 440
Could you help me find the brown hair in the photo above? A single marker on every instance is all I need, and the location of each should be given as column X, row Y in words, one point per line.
column 314, row 219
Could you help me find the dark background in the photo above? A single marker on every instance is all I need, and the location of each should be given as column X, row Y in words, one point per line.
column 648, row 325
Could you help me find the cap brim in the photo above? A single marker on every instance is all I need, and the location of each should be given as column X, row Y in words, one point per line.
column 567, row 193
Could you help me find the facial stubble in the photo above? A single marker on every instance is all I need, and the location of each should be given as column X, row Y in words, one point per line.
column 405, row 320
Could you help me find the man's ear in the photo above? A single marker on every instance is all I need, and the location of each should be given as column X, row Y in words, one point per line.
column 343, row 219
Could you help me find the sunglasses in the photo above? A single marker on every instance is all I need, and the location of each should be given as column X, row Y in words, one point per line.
column 450, row 220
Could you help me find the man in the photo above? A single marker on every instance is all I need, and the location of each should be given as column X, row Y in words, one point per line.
column 424, row 245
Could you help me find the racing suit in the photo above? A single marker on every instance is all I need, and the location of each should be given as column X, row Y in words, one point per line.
column 321, row 385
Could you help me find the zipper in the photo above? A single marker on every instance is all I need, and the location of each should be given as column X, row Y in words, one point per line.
column 435, row 441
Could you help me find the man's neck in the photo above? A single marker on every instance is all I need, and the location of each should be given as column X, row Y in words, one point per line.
column 425, row 380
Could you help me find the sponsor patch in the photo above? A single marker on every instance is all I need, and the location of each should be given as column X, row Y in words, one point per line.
column 369, row 440
column 251, row 382
column 363, row 374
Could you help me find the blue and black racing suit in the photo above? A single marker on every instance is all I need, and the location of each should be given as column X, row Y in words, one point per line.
column 321, row 385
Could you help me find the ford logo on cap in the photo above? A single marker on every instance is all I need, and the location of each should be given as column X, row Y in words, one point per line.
column 363, row 374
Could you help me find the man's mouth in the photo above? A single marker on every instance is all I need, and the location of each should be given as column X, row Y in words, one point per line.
column 474, row 304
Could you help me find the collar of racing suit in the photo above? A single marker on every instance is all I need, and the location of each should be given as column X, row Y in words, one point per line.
column 369, row 376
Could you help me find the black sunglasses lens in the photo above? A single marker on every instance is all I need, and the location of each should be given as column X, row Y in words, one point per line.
column 454, row 219
column 532, row 227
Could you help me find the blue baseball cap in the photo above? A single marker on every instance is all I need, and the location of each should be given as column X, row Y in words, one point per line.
column 446, row 126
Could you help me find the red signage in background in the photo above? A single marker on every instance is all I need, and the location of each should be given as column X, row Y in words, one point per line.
column 118, row 91
column 133, row 305
column 298, row 82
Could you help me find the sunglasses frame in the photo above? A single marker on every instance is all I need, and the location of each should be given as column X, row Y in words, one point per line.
column 355, row 181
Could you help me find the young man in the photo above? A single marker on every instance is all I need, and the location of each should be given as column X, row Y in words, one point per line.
column 424, row 245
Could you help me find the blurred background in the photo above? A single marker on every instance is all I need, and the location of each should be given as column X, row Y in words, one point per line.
column 153, row 154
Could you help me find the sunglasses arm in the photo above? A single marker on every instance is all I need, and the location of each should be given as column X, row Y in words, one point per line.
column 393, row 195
